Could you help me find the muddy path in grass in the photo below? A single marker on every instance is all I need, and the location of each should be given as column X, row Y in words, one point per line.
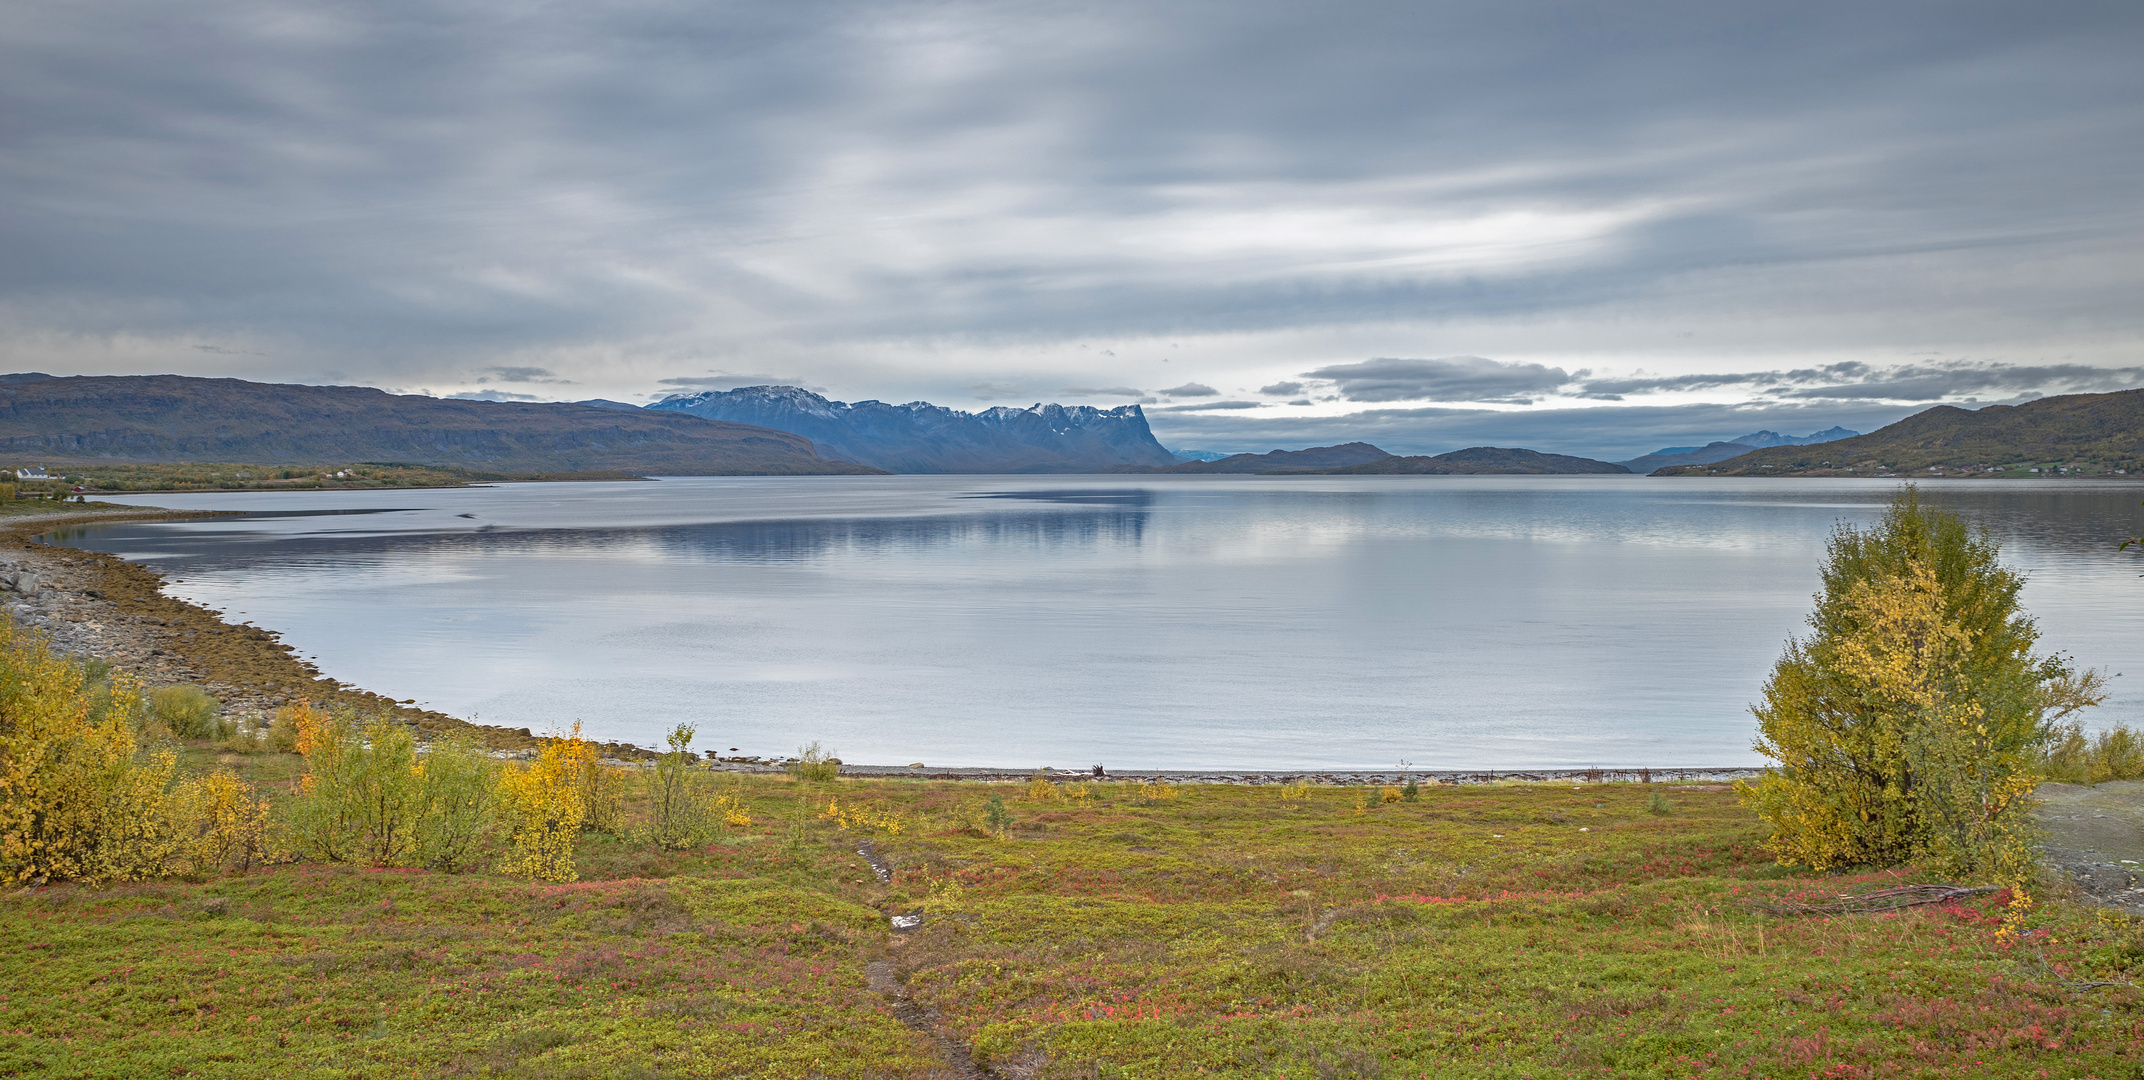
column 92, row 605
column 2095, row 837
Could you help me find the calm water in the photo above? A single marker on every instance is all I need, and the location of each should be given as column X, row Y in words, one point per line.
column 1449, row 621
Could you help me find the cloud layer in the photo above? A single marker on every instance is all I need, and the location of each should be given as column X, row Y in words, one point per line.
column 1659, row 204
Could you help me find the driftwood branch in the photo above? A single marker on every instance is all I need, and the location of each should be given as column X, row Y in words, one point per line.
column 1880, row 900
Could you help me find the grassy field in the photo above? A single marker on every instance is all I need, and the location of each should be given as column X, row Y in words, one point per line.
column 1110, row 931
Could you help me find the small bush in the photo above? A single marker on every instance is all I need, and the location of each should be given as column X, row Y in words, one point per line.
column 815, row 765
column 283, row 731
column 2073, row 757
column 670, row 794
column 189, row 711
column 859, row 816
column 1039, row 788
column 1153, row 792
column 359, row 796
column 1656, row 803
column 996, row 818
column 78, row 799
column 458, row 796
column 367, row 796
column 242, row 738
column 542, row 805
column 231, row 821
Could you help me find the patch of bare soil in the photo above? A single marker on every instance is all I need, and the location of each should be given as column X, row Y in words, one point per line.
column 2095, row 837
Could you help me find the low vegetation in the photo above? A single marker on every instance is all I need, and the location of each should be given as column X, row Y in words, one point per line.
column 109, row 478
column 325, row 895
column 360, row 907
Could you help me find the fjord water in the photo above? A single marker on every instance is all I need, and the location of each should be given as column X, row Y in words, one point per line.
column 1064, row 621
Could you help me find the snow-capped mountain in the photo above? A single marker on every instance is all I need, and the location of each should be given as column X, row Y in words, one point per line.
column 920, row 437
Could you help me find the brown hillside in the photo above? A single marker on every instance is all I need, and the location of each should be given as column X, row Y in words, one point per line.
column 2091, row 434
column 178, row 418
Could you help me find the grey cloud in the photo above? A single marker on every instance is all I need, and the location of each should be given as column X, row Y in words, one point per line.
column 1856, row 381
column 492, row 395
column 995, row 391
column 1454, row 378
column 1300, row 401
column 522, row 375
column 410, row 191
column 1190, row 389
column 1208, row 406
column 1132, row 392
column 1282, row 389
column 727, row 381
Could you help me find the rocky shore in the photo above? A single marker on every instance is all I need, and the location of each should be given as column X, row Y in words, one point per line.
column 96, row 606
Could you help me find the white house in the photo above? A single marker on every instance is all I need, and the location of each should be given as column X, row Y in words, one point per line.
column 34, row 473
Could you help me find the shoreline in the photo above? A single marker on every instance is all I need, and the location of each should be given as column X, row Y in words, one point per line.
column 1707, row 775
column 94, row 605
column 97, row 605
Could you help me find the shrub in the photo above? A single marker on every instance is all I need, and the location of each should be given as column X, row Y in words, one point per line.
column 862, row 816
column 1039, row 788
column 458, row 794
column 996, row 818
column 365, row 795
column 325, row 819
column 1656, row 803
column 78, row 799
column 283, row 730
column 2074, row 757
column 1906, row 725
column 239, row 737
column 542, row 805
column 814, row 765
column 232, row 823
column 687, row 806
column 187, row 710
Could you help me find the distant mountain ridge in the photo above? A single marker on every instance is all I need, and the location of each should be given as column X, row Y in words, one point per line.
column 1311, row 460
column 920, row 437
column 1671, row 456
column 2090, row 434
column 173, row 418
column 1483, row 461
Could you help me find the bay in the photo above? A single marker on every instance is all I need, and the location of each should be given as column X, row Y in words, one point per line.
column 1451, row 622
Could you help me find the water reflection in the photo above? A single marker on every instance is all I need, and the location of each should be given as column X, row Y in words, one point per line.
column 1255, row 622
column 233, row 547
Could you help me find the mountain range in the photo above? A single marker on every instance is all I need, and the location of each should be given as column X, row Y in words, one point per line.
column 1668, row 457
column 175, row 418
column 1362, row 459
column 2075, row 433
column 923, row 438
column 1311, row 460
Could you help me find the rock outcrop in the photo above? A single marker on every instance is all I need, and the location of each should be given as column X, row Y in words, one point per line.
column 920, row 437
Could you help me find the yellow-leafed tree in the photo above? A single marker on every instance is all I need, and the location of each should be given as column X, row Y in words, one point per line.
column 543, row 805
column 1907, row 725
column 78, row 799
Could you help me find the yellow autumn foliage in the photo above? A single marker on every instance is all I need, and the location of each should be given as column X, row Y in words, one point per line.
column 80, row 800
column 1908, row 726
column 543, row 805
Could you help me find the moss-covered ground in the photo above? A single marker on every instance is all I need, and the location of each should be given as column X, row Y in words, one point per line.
column 1508, row 931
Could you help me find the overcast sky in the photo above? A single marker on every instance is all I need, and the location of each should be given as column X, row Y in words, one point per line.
column 1592, row 228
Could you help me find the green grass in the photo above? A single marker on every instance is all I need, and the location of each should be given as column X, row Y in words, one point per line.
column 1523, row 930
